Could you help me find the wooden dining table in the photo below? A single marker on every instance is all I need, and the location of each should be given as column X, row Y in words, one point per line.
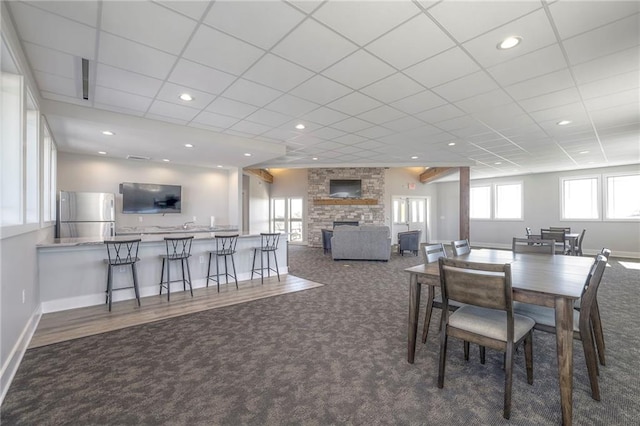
column 540, row 279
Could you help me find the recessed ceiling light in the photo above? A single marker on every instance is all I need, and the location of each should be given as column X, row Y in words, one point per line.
column 219, row 166
column 452, row 143
column 300, row 126
column 186, row 97
column 584, row 152
column 166, row 160
column 315, row 158
column 414, row 157
column 498, row 163
column 102, row 153
column 188, row 145
column 563, row 122
column 108, row 133
column 509, row 42
column 246, row 154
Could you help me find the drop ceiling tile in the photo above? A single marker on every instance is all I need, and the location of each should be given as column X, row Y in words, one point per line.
column 419, row 102
column 573, row 112
column 191, row 74
column 627, row 97
column 281, row 134
column 49, row 30
column 404, row 124
column 540, row 62
column 485, row 101
column 320, row 89
column 466, row 87
column 303, row 44
column 351, row 125
column 446, row 66
column 537, row 86
column 245, row 126
column 239, row 133
column 125, row 54
column 192, row 9
column 292, row 105
column 231, row 108
column 608, row 66
column 166, row 119
column 350, row 139
column 369, row 145
column 615, row 116
column 418, row 38
column 465, row 20
column 392, row 88
column 327, row 133
column 358, row 70
column 278, row 73
column 354, row 104
column 85, row 12
column 441, row 113
column 147, row 23
column 171, row 93
column 166, row 109
column 251, row 93
column 619, row 83
column 262, row 23
column 120, row 99
column 381, row 114
column 120, row 110
column 116, row 78
column 592, row 14
column 324, row 116
column 205, row 127
column 268, row 118
column 375, row 132
column 363, row 24
column 598, row 42
column 561, row 97
column 534, row 28
column 464, row 122
column 56, row 84
column 215, row 49
column 52, row 61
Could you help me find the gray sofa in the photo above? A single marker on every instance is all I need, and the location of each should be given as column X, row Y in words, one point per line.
column 366, row 242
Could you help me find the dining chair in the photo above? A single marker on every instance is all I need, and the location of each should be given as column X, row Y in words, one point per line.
column 545, row 320
column 533, row 245
column 486, row 318
column 558, row 236
column 119, row 254
column 178, row 249
column 577, row 250
column 596, row 321
column 460, row 247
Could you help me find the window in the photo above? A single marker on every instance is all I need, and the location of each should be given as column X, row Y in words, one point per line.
column 32, row 164
column 580, row 198
column 508, row 201
column 287, row 216
column 480, row 202
column 11, row 160
column 623, row 197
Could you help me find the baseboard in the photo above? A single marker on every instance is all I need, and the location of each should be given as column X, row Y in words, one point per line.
column 99, row 299
column 14, row 359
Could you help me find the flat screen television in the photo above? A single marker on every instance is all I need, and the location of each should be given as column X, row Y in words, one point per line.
column 150, row 198
column 343, row 188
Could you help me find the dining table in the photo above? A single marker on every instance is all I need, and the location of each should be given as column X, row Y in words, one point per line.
column 554, row 281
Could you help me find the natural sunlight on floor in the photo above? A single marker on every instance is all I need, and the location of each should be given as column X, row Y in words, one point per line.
column 630, row 265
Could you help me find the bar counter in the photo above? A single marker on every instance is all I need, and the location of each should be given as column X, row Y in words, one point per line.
column 72, row 272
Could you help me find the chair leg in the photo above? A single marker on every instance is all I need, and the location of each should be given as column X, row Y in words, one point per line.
column 275, row 259
column 466, row 350
column 109, row 286
column 162, row 276
column 235, row 275
column 590, row 357
column 184, row 282
column 226, row 270
column 209, row 269
column 168, row 280
column 428, row 312
column 483, row 354
column 508, row 381
column 189, row 276
column 528, row 356
column 261, row 267
column 218, row 272
column 135, row 282
column 443, row 358
column 596, row 323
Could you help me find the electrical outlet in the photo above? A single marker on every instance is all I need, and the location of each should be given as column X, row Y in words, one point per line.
column 201, row 259
column 24, row 296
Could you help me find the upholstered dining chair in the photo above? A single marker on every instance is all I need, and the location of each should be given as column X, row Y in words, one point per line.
column 460, row 247
column 487, row 316
column 582, row 326
column 533, row 245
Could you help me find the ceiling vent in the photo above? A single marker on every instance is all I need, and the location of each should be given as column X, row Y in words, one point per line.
column 85, row 78
column 137, row 157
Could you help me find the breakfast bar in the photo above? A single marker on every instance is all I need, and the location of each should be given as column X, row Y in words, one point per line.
column 72, row 273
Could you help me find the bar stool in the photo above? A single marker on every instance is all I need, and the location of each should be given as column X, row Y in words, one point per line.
column 225, row 247
column 178, row 248
column 268, row 244
column 121, row 253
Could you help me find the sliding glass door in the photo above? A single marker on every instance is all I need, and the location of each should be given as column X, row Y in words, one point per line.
column 287, row 215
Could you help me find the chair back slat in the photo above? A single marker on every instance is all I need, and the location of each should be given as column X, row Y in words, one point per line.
column 433, row 252
column 122, row 252
column 566, row 229
column 269, row 241
column 533, row 245
column 460, row 247
column 487, row 285
column 178, row 247
column 226, row 244
column 591, row 286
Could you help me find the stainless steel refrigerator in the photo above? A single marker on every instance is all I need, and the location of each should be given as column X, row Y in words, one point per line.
column 86, row 214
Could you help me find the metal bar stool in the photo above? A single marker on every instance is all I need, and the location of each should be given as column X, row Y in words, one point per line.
column 121, row 253
column 178, row 248
column 225, row 247
column 268, row 244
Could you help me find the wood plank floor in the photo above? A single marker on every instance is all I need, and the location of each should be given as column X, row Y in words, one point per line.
column 75, row 323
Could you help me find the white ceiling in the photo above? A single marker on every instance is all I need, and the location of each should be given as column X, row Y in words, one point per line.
column 374, row 82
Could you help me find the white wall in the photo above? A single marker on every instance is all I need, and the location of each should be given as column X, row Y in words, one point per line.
column 205, row 192
column 289, row 183
column 397, row 183
column 541, row 210
column 258, row 205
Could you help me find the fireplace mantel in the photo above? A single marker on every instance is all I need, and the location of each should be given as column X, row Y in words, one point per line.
column 345, row 201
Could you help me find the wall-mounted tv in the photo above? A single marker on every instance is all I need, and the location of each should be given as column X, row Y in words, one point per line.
column 343, row 188
column 150, row 198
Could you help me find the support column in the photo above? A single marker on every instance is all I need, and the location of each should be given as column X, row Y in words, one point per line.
column 464, row 202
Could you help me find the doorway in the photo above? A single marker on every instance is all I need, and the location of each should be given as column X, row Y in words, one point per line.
column 287, row 215
column 410, row 214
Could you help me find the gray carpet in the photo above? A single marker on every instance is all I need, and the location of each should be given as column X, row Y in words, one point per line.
column 330, row 355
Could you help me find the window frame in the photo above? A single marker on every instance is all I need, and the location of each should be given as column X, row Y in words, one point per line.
column 605, row 197
column 598, row 202
column 495, row 202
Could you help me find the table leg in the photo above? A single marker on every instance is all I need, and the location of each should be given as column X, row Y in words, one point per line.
column 564, row 341
column 414, row 311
